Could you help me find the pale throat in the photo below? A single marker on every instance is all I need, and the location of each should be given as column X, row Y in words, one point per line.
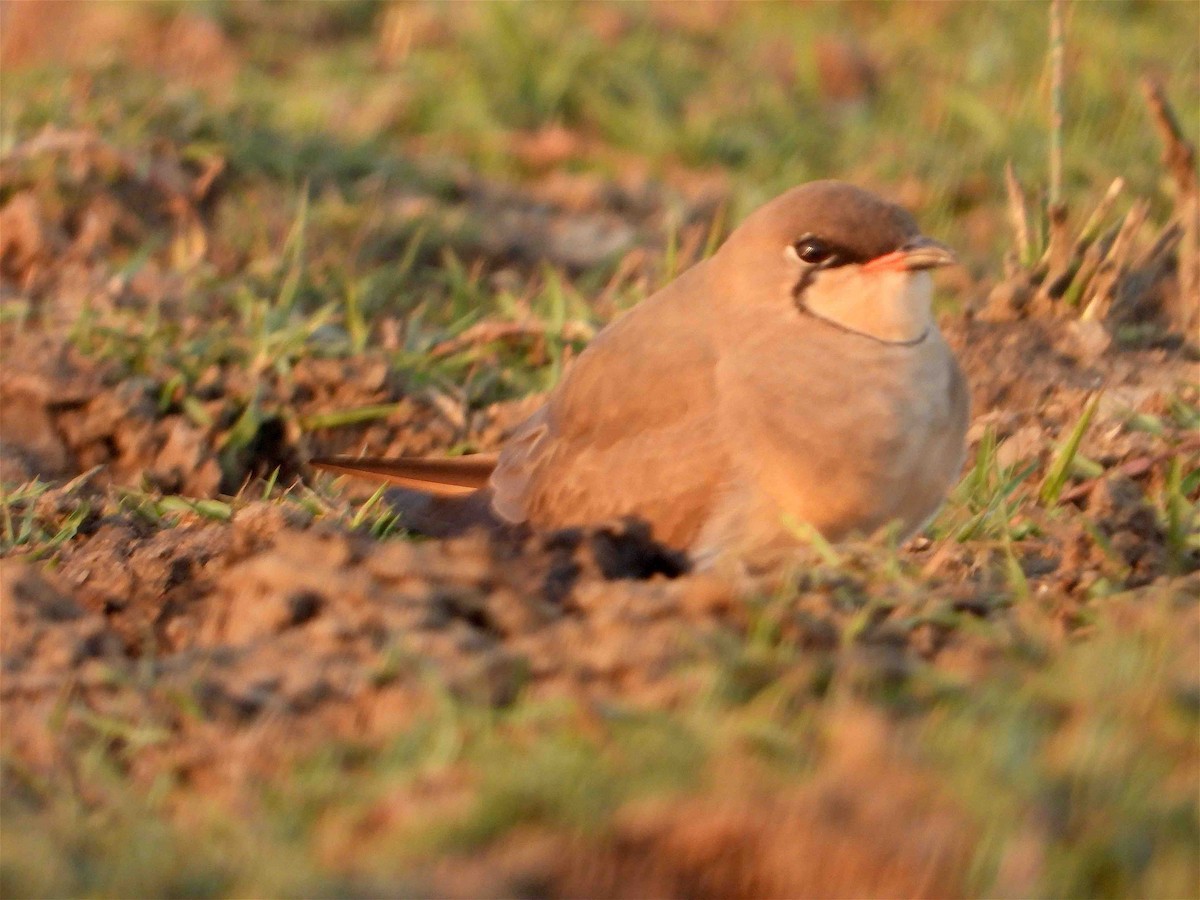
column 894, row 306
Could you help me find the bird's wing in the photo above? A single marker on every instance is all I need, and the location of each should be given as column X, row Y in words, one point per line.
column 630, row 431
column 441, row 477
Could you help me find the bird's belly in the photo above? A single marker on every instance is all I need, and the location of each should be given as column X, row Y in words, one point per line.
column 846, row 487
column 846, row 459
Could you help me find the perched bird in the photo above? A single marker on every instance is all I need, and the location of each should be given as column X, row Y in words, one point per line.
column 797, row 375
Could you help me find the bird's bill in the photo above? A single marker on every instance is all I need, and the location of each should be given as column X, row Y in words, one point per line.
column 919, row 253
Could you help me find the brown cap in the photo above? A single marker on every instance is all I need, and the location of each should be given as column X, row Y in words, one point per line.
column 860, row 224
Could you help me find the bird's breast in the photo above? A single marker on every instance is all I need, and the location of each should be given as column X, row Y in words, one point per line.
column 837, row 437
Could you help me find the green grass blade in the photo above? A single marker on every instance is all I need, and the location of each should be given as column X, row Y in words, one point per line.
column 1060, row 469
column 340, row 418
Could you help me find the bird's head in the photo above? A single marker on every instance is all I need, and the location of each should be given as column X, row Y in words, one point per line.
column 844, row 256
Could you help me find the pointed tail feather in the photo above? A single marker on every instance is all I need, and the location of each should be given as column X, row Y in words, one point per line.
column 451, row 476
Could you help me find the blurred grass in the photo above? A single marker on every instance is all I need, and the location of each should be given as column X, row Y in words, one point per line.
column 961, row 89
column 1054, row 749
column 319, row 126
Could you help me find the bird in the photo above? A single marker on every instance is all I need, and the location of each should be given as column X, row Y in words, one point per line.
column 794, row 379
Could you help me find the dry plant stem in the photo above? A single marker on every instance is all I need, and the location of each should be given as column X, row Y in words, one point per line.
column 625, row 273
column 454, row 410
column 1116, row 263
column 1056, row 262
column 1158, row 254
column 1179, row 157
column 1187, row 315
column 1056, row 104
column 1083, row 275
column 1091, row 228
column 1086, row 254
column 1018, row 215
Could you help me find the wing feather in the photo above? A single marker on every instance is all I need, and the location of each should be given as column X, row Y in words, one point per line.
column 630, row 431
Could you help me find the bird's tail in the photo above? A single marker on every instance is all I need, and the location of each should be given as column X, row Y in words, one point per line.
column 445, row 477
column 435, row 497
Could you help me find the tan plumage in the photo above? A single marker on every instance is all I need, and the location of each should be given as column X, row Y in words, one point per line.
column 796, row 374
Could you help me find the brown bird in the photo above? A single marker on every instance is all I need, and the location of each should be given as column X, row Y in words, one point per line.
column 797, row 375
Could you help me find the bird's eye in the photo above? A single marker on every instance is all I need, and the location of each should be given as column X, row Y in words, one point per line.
column 813, row 251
